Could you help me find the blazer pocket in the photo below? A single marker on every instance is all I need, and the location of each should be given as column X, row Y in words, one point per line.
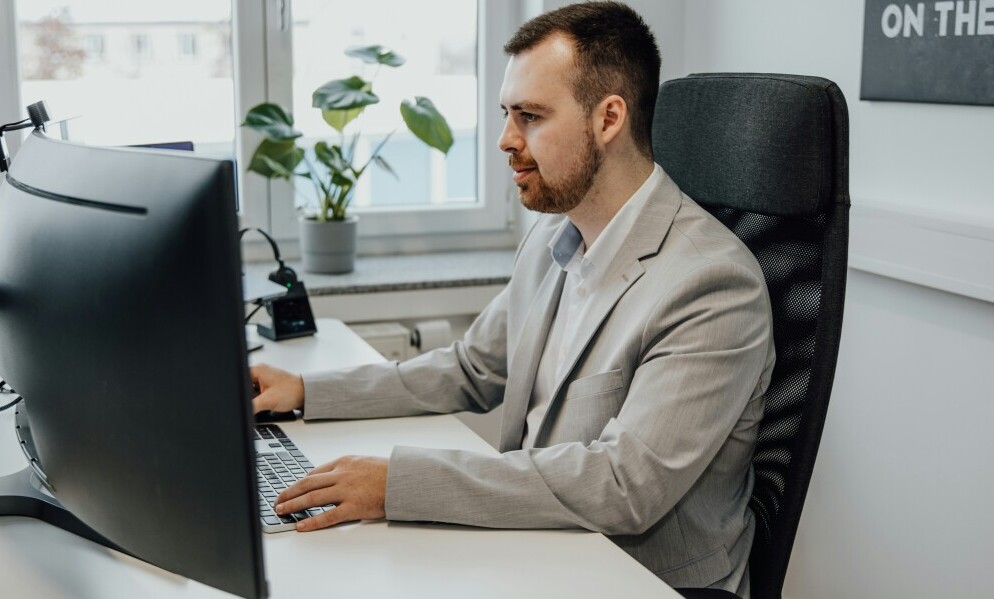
column 598, row 383
column 589, row 404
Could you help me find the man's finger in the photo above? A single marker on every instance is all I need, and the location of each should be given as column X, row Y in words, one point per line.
column 318, row 498
column 325, row 467
column 334, row 516
column 262, row 402
column 307, row 484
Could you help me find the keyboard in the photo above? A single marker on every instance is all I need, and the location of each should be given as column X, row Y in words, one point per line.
column 279, row 464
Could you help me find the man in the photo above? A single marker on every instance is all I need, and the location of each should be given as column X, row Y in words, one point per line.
column 631, row 348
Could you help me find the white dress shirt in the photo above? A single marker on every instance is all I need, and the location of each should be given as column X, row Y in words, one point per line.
column 585, row 272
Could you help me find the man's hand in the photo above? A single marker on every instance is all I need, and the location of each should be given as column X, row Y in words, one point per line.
column 356, row 485
column 278, row 390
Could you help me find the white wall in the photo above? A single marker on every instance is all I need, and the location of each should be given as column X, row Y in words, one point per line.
column 666, row 17
column 899, row 502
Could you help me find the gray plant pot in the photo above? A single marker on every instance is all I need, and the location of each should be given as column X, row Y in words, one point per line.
column 328, row 247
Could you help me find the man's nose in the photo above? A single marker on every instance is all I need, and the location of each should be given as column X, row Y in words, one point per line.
column 510, row 140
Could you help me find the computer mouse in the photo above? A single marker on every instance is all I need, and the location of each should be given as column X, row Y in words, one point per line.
column 270, row 416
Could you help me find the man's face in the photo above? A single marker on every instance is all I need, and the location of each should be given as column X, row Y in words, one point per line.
column 547, row 134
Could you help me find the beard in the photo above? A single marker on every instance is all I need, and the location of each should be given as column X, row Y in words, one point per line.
column 561, row 196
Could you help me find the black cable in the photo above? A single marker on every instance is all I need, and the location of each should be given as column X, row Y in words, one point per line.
column 6, row 389
column 283, row 275
column 272, row 243
column 11, row 404
column 252, row 313
column 16, row 126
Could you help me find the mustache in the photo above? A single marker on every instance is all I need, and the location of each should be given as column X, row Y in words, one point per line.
column 511, row 162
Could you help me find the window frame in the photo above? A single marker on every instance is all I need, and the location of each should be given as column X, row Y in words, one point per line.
column 10, row 76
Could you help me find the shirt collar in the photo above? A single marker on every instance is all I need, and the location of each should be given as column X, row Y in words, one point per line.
column 568, row 249
column 607, row 245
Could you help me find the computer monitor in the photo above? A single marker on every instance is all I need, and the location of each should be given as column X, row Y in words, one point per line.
column 121, row 325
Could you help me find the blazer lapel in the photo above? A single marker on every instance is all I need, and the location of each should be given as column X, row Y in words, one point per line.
column 524, row 363
column 644, row 240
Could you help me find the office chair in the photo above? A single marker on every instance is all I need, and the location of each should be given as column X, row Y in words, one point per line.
column 768, row 155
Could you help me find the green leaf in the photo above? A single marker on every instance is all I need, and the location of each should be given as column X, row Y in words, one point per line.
column 344, row 94
column 376, row 55
column 426, row 123
column 343, row 179
column 279, row 171
column 339, row 118
column 272, row 121
column 331, row 156
column 276, row 159
column 383, row 164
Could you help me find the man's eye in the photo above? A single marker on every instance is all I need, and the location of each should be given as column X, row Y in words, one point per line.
column 529, row 117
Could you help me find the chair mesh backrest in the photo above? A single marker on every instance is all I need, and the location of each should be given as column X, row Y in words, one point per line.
column 768, row 156
column 789, row 250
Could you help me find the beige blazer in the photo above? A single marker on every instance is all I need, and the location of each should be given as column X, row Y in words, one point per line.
column 649, row 436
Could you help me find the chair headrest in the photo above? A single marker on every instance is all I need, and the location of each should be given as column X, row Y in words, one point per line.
column 756, row 142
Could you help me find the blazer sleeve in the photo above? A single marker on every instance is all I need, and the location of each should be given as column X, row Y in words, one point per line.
column 706, row 354
column 468, row 375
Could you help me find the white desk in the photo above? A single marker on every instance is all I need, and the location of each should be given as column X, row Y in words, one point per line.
column 367, row 559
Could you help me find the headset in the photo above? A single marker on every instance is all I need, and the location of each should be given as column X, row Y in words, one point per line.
column 291, row 314
column 284, row 275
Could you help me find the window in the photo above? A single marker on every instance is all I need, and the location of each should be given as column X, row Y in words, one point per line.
column 456, row 61
column 320, row 37
column 112, row 63
column 93, row 58
column 187, row 45
column 93, row 45
column 140, row 46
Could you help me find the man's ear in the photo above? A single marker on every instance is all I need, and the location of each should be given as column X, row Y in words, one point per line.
column 611, row 118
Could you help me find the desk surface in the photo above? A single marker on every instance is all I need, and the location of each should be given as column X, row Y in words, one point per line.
column 366, row 559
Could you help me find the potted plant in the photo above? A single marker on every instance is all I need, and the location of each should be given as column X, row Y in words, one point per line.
column 327, row 237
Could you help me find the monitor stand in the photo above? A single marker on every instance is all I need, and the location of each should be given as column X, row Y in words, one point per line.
column 22, row 494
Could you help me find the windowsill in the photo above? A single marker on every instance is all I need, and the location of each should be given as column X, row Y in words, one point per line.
column 407, row 272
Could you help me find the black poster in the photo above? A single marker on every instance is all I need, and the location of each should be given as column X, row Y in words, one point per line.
column 929, row 51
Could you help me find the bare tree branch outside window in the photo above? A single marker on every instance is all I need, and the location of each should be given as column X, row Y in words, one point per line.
column 60, row 49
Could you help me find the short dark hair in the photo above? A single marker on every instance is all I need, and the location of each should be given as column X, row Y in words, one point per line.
column 616, row 53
